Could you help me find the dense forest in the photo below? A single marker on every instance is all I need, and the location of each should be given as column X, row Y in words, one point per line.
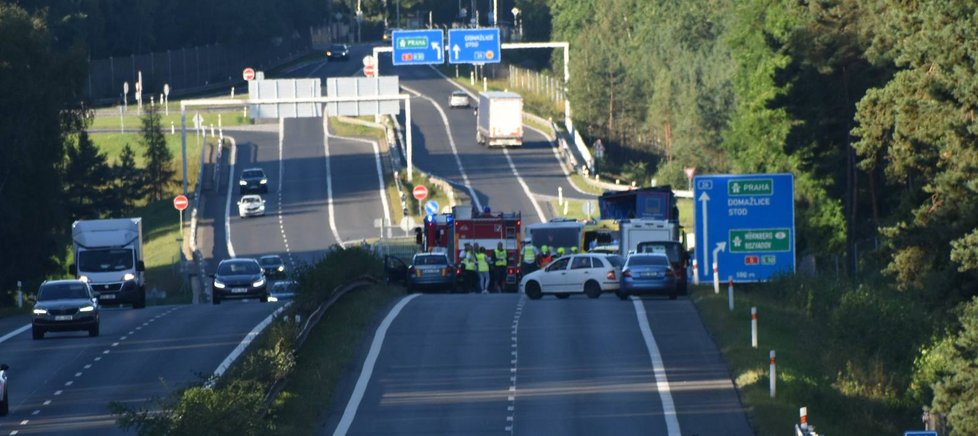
column 869, row 103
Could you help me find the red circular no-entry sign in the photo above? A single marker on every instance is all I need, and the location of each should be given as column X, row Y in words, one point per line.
column 420, row 192
column 248, row 73
column 370, row 71
column 180, row 202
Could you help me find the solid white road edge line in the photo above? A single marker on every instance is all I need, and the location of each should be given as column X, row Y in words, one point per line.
column 245, row 342
column 368, row 367
column 329, row 184
column 556, row 155
column 227, row 206
column 526, row 189
column 20, row 330
column 451, row 142
column 658, row 369
column 380, row 174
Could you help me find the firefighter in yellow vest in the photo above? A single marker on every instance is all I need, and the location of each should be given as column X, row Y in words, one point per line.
column 499, row 263
column 482, row 263
column 530, row 254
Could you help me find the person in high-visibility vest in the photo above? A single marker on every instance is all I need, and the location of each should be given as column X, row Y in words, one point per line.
column 560, row 251
column 574, row 250
column 530, row 254
column 482, row 263
column 499, row 263
column 471, row 275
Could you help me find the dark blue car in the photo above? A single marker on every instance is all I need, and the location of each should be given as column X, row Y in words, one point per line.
column 648, row 274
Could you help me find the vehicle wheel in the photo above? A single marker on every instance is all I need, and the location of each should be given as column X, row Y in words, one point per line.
column 37, row 333
column 141, row 301
column 562, row 296
column 4, row 405
column 621, row 295
column 533, row 291
column 592, row 289
column 93, row 331
column 685, row 288
column 216, row 299
column 264, row 298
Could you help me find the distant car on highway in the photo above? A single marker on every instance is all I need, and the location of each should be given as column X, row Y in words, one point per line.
column 239, row 278
column 590, row 274
column 4, row 400
column 339, row 52
column 648, row 274
column 273, row 265
column 251, row 205
column 65, row 305
column 431, row 271
column 283, row 290
column 678, row 258
column 253, row 180
column 458, row 99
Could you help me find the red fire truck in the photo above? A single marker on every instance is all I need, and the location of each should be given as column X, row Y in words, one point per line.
column 451, row 231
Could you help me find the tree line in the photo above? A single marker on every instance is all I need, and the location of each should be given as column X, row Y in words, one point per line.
column 869, row 103
column 51, row 173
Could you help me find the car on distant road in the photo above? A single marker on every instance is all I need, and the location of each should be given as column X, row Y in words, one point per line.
column 590, row 274
column 239, row 278
column 4, row 400
column 283, row 290
column 648, row 274
column 431, row 271
column 458, row 99
column 251, row 205
column 273, row 265
column 253, row 180
column 678, row 258
column 338, row 52
column 65, row 305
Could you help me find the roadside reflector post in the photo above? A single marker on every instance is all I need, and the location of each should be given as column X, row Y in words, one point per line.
column 773, row 375
column 696, row 273
column 730, row 292
column 803, row 417
column 753, row 327
column 716, row 278
column 20, row 294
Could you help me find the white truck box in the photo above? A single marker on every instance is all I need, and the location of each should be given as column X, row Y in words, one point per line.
column 500, row 119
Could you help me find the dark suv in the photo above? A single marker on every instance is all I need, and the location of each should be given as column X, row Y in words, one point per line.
column 239, row 278
column 253, row 180
column 65, row 305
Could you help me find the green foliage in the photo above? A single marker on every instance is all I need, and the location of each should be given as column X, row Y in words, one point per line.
column 89, row 180
column 40, row 89
column 340, row 265
column 159, row 159
column 954, row 394
column 131, row 182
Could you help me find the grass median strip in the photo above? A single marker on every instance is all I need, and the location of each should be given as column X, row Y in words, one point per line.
column 328, row 351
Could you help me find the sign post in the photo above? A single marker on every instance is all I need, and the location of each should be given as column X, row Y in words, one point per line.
column 369, row 66
column 420, row 192
column 753, row 216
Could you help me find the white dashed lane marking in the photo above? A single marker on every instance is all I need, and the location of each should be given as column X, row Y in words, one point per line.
column 514, row 337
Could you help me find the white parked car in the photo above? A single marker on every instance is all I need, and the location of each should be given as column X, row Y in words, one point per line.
column 251, row 205
column 458, row 99
column 590, row 274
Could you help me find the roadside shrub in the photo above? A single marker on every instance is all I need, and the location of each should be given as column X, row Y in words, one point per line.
column 340, row 265
column 872, row 346
column 955, row 392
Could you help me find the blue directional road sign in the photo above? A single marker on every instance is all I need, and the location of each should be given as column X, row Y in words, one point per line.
column 418, row 47
column 748, row 221
column 431, row 207
column 474, row 46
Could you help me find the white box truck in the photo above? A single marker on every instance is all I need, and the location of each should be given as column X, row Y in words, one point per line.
column 500, row 119
column 635, row 231
column 109, row 256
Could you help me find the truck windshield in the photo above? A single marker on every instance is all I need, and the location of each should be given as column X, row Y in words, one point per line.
column 113, row 259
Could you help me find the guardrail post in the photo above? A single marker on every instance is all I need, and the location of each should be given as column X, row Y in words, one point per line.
column 696, row 273
column 730, row 292
column 753, row 327
column 20, row 294
column 773, row 375
column 716, row 279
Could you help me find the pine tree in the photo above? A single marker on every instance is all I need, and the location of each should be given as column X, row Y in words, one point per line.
column 159, row 159
column 88, row 181
column 131, row 183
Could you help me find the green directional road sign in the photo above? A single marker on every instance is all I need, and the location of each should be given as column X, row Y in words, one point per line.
column 413, row 42
column 759, row 240
column 736, row 187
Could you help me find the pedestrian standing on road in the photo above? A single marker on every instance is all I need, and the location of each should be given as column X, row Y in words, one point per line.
column 471, row 275
column 482, row 263
column 499, row 268
column 530, row 254
column 545, row 259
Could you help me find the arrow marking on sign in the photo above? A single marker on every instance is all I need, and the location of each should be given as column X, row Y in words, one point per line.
column 456, row 49
column 721, row 246
column 704, row 200
column 437, row 47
